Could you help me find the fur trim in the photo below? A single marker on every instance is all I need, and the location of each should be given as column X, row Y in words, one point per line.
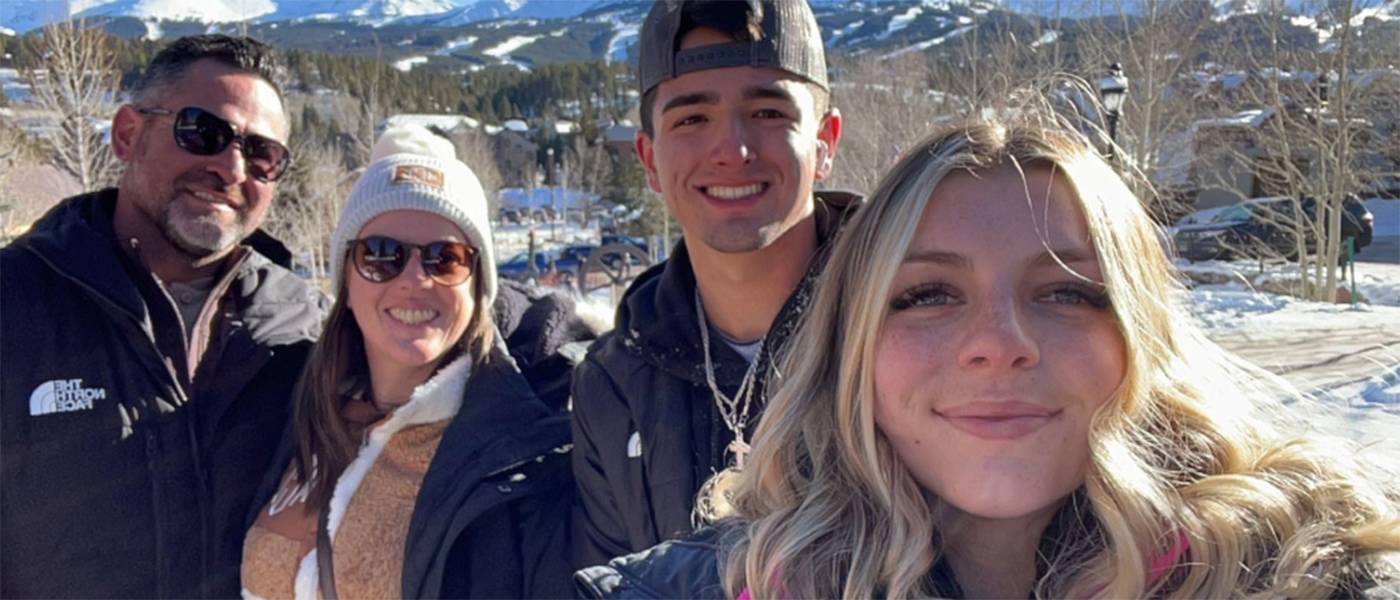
column 308, row 578
column 595, row 314
column 437, row 399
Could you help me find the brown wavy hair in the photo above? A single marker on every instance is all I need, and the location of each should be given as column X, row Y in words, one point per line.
column 324, row 443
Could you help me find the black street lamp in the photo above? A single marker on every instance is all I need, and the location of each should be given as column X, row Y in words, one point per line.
column 1113, row 90
column 1324, row 89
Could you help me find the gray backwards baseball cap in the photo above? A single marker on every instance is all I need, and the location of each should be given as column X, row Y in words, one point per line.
column 791, row 42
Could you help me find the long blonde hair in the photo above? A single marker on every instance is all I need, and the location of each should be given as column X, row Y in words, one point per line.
column 1182, row 450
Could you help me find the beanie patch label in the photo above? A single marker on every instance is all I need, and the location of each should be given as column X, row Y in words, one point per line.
column 417, row 174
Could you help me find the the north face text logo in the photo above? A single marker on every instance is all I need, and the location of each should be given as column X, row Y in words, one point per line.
column 63, row 395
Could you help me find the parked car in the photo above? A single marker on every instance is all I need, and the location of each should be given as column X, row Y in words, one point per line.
column 625, row 239
column 1263, row 228
column 510, row 216
column 517, row 267
column 577, row 253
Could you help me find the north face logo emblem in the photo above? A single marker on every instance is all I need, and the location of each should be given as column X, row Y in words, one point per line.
column 63, row 395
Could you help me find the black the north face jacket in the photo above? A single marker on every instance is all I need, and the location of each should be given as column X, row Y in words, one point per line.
column 121, row 474
column 647, row 434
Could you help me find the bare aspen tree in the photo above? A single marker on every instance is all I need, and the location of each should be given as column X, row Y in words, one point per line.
column 887, row 105
column 477, row 149
column 309, row 204
column 1155, row 41
column 13, row 153
column 1315, row 142
column 75, row 85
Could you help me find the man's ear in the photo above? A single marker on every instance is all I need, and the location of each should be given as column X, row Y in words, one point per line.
column 126, row 132
column 828, row 136
column 645, row 152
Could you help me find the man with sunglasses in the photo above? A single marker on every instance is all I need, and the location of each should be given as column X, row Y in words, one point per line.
column 151, row 337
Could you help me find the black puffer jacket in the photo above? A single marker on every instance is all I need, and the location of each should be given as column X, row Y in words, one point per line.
column 647, row 434
column 492, row 518
column 690, row 568
column 121, row 474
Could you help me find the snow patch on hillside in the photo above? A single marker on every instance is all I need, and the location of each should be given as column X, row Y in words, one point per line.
column 843, row 32
column 900, row 22
column 510, row 45
column 925, row 45
column 407, row 64
column 461, row 43
column 622, row 37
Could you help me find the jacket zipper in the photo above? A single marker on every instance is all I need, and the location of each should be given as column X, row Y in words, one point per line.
column 152, row 443
column 158, row 500
column 564, row 449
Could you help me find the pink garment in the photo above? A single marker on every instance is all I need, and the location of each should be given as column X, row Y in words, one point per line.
column 1158, row 568
column 1163, row 563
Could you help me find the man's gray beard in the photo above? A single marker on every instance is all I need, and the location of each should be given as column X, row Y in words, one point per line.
column 201, row 235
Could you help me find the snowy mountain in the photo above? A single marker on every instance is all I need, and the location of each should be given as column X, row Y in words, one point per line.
column 522, row 33
column 26, row 15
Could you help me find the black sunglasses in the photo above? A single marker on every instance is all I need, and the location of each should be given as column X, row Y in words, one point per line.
column 203, row 133
column 380, row 259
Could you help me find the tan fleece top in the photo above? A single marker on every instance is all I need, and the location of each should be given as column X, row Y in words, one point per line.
column 370, row 509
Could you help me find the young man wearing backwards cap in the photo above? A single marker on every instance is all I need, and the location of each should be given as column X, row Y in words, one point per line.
column 736, row 131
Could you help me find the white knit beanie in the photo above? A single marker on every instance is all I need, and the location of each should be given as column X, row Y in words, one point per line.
column 411, row 168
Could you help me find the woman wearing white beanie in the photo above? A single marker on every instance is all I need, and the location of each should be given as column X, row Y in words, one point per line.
column 422, row 465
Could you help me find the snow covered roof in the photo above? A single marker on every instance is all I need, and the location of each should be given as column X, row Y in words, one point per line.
column 1248, row 118
column 443, row 122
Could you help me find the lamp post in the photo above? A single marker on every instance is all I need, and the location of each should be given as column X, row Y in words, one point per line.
column 1113, row 90
column 1324, row 89
column 549, row 168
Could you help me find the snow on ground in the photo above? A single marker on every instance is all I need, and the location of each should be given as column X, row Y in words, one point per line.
column 461, row 43
column 900, row 22
column 1348, row 358
column 14, row 87
column 407, row 64
column 153, row 30
column 926, row 44
column 622, row 37
column 502, row 51
column 510, row 45
column 843, row 32
column 1048, row 37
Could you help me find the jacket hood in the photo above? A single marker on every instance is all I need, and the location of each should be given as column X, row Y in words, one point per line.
column 657, row 319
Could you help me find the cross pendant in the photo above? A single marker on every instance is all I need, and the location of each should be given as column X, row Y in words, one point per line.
column 739, row 448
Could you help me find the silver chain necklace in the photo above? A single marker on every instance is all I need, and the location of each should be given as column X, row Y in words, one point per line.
column 736, row 417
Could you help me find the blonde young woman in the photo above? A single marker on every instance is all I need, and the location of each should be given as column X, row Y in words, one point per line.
column 998, row 393
column 422, row 463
